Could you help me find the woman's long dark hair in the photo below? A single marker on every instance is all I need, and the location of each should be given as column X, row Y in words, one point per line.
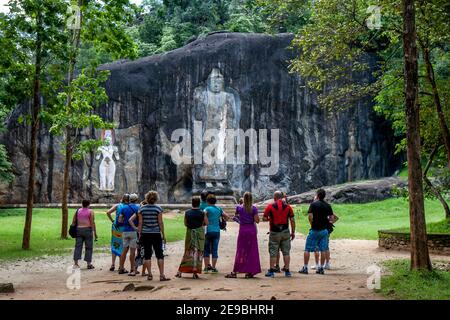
column 248, row 202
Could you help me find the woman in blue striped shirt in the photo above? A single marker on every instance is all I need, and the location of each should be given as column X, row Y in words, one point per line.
column 151, row 231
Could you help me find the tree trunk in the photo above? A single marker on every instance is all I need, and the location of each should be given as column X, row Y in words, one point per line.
column 437, row 102
column 65, row 191
column 430, row 185
column 35, row 109
column 420, row 258
column 69, row 145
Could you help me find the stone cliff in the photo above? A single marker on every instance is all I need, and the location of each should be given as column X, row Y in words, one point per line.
column 230, row 80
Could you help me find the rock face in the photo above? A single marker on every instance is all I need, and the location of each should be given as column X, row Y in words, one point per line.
column 353, row 192
column 224, row 81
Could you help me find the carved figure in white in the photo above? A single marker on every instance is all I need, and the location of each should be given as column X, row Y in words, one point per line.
column 107, row 168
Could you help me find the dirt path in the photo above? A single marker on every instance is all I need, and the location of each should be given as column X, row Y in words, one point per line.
column 46, row 278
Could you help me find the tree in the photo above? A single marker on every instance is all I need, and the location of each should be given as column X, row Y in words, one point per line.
column 420, row 259
column 337, row 46
column 433, row 33
column 32, row 38
column 105, row 26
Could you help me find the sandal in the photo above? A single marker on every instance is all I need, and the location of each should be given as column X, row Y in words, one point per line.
column 163, row 278
column 178, row 275
column 144, row 274
column 123, row 271
column 132, row 274
column 249, row 276
column 150, row 277
column 90, row 267
column 112, row 268
column 231, row 275
column 195, row 276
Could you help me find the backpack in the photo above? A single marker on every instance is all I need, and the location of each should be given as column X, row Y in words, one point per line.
column 222, row 221
column 73, row 227
column 284, row 209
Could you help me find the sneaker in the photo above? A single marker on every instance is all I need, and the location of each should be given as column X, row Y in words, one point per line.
column 320, row 271
column 123, row 271
column 214, row 270
column 207, row 269
column 327, row 266
column 304, row 270
column 287, row 273
column 270, row 273
column 276, row 269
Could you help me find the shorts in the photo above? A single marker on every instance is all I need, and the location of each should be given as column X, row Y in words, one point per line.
column 317, row 247
column 129, row 239
column 279, row 241
column 317, row 239
column 152, row 241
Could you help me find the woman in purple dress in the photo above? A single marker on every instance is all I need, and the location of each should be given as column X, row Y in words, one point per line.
column 247, row 253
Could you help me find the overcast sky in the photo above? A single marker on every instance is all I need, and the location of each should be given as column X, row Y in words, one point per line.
column 4, row 9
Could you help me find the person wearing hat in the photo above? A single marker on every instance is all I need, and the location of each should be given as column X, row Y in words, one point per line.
column 129, row 235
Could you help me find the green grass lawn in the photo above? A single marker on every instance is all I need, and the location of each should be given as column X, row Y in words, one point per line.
column 414, row 285
column 357, row 221
column 362, row 221
column 46, row 228
column 434, row 227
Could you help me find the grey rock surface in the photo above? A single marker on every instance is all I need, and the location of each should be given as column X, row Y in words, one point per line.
column 353, row 192
column 153, row 96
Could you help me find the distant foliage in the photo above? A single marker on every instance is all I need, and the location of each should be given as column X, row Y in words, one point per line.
column 165, row 25
column 5, row 166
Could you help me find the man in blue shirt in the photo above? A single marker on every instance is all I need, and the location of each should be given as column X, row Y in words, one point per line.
column 129, row 235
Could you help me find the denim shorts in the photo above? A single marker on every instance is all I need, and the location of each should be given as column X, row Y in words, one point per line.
column 212, row 244
column 317, row 248
column 317, row 239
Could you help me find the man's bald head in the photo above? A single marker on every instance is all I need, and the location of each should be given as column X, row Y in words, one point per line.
column 278, row 195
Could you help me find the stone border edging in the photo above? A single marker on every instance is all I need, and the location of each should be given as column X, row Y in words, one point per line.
column 438, row 243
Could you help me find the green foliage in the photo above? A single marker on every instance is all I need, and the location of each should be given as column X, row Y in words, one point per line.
column 86, row 92
column 407, row 284
column 46, row 233
column 103, row 34
column 167, row 42
column 284, row 15
column 19, row 37
column 246, row 18
column 334, row 50
column 346, row 61
column 167, row 25
column 5, row 166
column 28, row 25
column 105, row 26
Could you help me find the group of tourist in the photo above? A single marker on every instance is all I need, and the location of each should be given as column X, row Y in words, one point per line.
column 138, row 231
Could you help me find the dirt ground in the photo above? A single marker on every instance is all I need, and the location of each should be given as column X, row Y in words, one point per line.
column 46, row 278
